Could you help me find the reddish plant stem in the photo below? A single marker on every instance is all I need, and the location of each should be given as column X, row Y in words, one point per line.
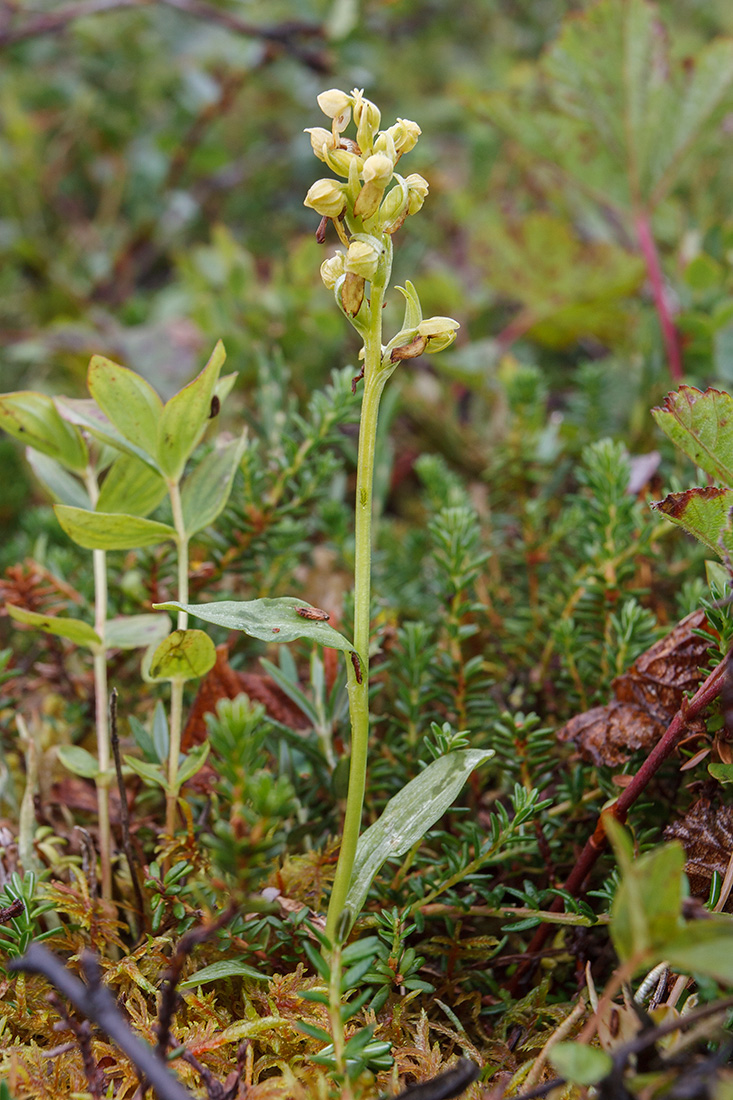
column 708, row 690
column 670, row 336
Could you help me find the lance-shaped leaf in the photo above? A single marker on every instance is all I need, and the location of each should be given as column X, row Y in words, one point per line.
column 63, row 486
column 86, row 414
column 75, row 630
column 225, row 968
column 701, row 425
column 185, row 417
column 34, row 420
column 127, row 400
column 111, row 530
column 183, row 655
column 407, row 817
column 270, row 620
column 704, row 513
column 135, row 631
column 131, row 486
column 206, row 490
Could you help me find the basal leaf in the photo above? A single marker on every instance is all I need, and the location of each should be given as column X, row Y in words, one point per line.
column 78, row 761
column 408, row 816
column 127, row 400
column 111, row 530
column 701, row 425
column 185, row 417
column 704, row 513
column 206, row 490
column 226, row 968
column 270, row 620
column 75, row 630
column 63, row 486
column 183, row 655
column 33, row 419
column 135, row 631
column 131, row 486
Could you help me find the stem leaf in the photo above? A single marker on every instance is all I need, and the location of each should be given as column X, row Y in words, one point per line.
column 183, row 655
column 135, row 631
column 111, row 530
column 186, row 415
column 127, row 400
column 34, row 420
column 78, row 761
column 63, row 486
column 270, row 620
column 227, row 968
column 408, row 815
column 75, row 630
column 206, row 491
column 131, row 486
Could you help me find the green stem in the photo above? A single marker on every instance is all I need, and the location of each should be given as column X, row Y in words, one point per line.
column 176, row 717
column 99, row 564
column 375, row 378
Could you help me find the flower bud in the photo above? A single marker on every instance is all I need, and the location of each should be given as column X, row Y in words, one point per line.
column 332, row 270
column 378, row 168
column 393, row 210
column 367, row 118
column 363, row 259
column 417, row 192
column 438, row 331
column 320, row 137
column 327, row 198
column 334, row 103
column 404, row 133
column 384, row 143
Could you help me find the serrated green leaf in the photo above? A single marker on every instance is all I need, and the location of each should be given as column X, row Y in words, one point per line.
column 408, row 816
column 75, row 630
column 183, row 655
column 78, row 761
column 704, row 513
column 111, row 530
column 206, row 490
column 63, row 486
column 270, row 620
column 579, row 1063
column 701, row 425
column 131, row 486
column 33, row 419
column 227, row 968
column 185, row 416
column 128, row 401
column 135, row 631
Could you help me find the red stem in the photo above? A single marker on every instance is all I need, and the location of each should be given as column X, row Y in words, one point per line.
column 670, row 336
column 619, row 809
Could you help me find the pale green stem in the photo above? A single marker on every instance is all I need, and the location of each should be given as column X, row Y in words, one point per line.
column 99, row 564
column 337, row 1024
column 374, row 382
column 176, row 717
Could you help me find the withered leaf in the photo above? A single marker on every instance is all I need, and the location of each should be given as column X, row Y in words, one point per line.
column 706, row 834
column 647, row 697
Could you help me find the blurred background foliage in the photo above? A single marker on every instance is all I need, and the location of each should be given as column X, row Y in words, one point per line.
column 153, row 166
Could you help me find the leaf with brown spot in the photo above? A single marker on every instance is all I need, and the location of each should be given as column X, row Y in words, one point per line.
column 704, row 513
column 646, row 698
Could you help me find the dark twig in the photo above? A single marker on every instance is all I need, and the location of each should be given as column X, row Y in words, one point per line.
column 124, row 812
column 169, row 996
column 96, row 1003
column 596, row 843
column 83, row 1034
column 634, row 1046
column 446, row 1085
